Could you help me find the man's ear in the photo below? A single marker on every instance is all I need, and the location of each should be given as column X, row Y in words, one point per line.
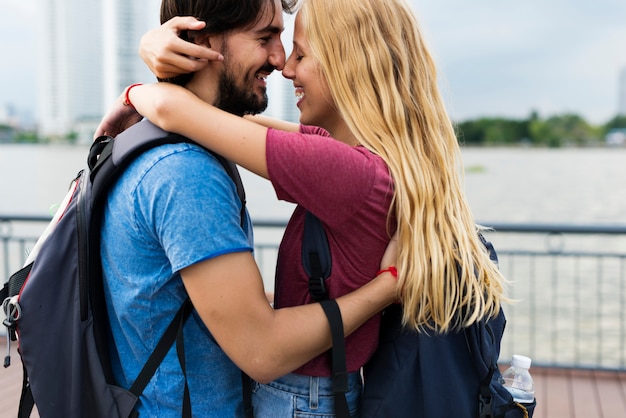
column 199, row 38
column 214, row 41
column 205, row 39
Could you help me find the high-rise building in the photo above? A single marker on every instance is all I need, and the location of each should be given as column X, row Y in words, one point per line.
column 88, row 51
column 622, row 93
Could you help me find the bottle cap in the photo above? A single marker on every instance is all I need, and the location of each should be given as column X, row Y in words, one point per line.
column 521, row 361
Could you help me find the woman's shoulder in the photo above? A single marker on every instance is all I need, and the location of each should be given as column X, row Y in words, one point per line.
column 314, row 130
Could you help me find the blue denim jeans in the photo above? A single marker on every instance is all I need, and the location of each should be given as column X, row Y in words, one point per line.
column 299, row 396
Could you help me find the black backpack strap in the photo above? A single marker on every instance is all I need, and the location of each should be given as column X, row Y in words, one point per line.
column 180, row 351
column 174, row 332
column 13, row 286
column 246, row 389
column 338, row 354
column 27, row 402
column 233, row 173
column 317, row 263
column 485, row 398
column 475, row 345
column 316, row 258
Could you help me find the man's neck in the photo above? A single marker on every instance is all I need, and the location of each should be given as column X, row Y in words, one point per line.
column 204, row 84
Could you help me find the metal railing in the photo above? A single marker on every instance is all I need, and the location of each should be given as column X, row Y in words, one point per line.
column 567, row 282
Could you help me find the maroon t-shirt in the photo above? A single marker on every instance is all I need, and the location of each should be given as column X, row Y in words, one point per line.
column 349, row 189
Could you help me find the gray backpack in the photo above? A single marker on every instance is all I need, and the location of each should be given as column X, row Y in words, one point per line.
column 55, row 304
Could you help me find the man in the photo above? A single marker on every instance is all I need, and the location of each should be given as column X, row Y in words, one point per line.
column 172, row 229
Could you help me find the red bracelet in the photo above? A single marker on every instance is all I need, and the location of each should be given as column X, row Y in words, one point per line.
column 390, row 269
column 126, row 101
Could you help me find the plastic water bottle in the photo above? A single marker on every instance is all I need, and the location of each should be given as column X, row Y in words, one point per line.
column 518, row 381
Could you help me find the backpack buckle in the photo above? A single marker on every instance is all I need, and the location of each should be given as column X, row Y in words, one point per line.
column 484, row 406
column 12, row 311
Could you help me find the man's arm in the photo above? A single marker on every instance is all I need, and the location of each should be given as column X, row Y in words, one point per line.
column 227, row 291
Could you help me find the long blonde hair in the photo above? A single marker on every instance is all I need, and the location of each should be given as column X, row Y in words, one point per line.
column 384, row 83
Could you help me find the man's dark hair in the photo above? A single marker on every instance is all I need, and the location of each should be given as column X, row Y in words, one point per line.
column 220, row 16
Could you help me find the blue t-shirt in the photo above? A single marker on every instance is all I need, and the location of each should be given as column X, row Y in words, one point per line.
column 173, row 207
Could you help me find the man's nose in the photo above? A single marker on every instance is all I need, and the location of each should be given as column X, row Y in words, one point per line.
column 277, row 56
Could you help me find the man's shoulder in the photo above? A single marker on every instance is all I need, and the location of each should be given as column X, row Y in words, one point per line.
column 180, row 166
column 184, row 150
column 186, row 157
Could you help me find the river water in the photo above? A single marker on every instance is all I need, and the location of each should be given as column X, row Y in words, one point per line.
column 572, row 185
column 568, row 318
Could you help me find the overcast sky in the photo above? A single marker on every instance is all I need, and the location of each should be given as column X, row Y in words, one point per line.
column 496, row 57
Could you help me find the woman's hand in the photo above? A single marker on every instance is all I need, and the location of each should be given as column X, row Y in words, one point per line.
column 118, row 118
column 167, row 55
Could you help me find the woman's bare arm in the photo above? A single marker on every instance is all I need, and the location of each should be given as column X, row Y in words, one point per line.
column 274, row 123
column 176, row 109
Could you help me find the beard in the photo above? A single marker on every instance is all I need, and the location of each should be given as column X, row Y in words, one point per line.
column 236, row 94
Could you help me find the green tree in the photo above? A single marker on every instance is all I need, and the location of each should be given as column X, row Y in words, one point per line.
column 563, row 129
column 618, row 122
column 492, row 131
column 6, row 133
column 26, row 137
column 71, row 137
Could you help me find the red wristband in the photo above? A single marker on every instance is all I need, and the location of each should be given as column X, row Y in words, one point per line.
column 390, row 269
column 126, row 101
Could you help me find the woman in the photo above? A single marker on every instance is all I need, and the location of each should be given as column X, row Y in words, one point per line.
column 393, row 164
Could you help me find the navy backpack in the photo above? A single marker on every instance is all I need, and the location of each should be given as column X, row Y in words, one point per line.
column 411, row 374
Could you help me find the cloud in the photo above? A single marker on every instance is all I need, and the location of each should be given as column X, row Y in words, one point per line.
column 496, row 58
column 509, row 58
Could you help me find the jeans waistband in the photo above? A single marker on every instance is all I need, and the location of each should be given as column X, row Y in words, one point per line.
column 304, row 385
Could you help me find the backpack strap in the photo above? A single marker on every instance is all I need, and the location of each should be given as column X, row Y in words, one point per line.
column 317, row 262
column 485, row 398
column 174, row 332
column 485, row 353
column 338, row 354
column 27, row 402
column 233, row 173
column 316, row 258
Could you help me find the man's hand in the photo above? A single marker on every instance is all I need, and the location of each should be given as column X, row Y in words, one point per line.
column 167, row 55
column 119, row 118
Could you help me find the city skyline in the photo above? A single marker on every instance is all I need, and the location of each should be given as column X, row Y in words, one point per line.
column 494, row 59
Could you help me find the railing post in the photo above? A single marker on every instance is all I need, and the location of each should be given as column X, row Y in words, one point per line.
column 5, row 236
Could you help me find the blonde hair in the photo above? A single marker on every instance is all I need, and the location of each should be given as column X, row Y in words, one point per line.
column 384, row 83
